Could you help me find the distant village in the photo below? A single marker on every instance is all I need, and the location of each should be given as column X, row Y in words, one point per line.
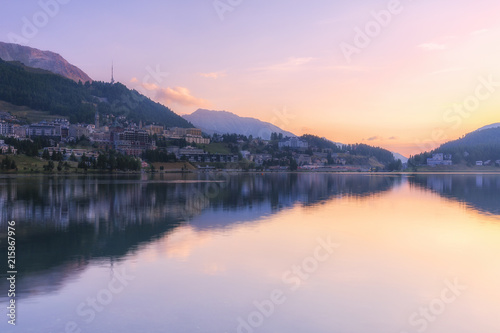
column 134, row 139
column 446, row 160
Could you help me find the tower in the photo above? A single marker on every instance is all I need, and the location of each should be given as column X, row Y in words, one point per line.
column 96, row 120
column 112, row 74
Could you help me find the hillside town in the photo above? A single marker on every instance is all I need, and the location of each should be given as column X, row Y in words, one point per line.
column 154, row 144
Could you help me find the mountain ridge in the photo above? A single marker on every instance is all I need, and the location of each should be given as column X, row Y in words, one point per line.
column 57, row 95
column 222, row 122
column 46, row 60
column 482, row 144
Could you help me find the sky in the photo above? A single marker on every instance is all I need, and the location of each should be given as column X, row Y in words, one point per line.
column 405, row 75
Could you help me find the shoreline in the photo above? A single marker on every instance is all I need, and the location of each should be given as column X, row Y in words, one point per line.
column 123, row 173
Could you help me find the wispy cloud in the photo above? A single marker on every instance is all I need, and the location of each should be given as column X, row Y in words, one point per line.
column 373, row 138
column 180, row 95
column 213, row 75
column 393, row 138
column 433, row 46
column 176, row 95
column 292, row 63
column 448, row 70
column 347, row 68
column 479, row 32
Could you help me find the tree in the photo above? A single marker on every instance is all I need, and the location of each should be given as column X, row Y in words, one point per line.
column 46, row 154
column 395, row 166
column 49, row 166
column 293, row 164
column 83, row 162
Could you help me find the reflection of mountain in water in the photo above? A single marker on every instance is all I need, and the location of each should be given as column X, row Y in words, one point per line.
column 64, row 222
column 481, row 192
column 249, row 197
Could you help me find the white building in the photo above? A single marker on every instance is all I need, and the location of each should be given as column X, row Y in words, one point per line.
column 439, row 159
column 4, row 148
column 294, row 143
column 6, row 128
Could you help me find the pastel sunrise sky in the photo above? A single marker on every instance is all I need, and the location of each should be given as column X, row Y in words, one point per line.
column 424, row 74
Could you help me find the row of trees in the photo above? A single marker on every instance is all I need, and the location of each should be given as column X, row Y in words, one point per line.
column 27, row 147
column 8, row 164
column 42, row 90
column 158, row 155
column 481, row 145
column 110, row 161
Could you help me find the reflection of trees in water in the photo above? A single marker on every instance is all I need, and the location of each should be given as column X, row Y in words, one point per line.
column 482, row 192
column 284, row 190
column 64, row 222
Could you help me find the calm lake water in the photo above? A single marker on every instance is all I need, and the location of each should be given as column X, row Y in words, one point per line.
column 253, row 253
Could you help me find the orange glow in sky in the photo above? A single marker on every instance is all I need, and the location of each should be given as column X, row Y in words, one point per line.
column 385, row 73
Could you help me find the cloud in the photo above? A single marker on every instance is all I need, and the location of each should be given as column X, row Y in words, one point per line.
column 373, row 138
column 433, row 46
column 181, row 96
column 479, row 32
column 393, row 138
column 292, row 63
column 213, row 75
column 177, row 95
column 448, row 70
column 348, row 68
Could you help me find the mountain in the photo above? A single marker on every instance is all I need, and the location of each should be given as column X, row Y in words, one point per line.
column 56, row 95
column 480, row 145
column 488, row 127
column 222, row 122
column 47, row 60
column 398, row 156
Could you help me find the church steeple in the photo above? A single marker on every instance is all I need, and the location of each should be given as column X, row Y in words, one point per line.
column 96, row 120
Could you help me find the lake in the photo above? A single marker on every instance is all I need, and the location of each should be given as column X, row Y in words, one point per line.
column 253, row 253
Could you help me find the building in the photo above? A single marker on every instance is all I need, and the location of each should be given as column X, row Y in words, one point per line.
column 259, row 159
column 191, row 135
column 76, row 131
column 303, row 159
column 67, row 152
column 245, row 154
column 180, row 132
column 5, row 148
column 6, row 129
column 293, row 143
column 19, row 131
column 439, row 159
column 154, row 129
column 196, row 155
column 45, row 129
column 102, row 139
column 479, row 163
column 132, row 142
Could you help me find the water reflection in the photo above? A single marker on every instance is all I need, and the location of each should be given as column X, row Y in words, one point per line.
column 204, row 248
column 480, row 192
column 65, row 222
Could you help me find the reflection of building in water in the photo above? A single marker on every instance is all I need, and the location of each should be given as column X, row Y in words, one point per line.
column 481, row 192
column 439, row 184
column 479, row 180
column 68, row 221
column 58, row 202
